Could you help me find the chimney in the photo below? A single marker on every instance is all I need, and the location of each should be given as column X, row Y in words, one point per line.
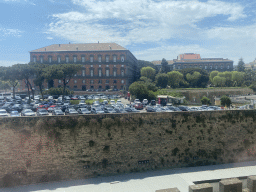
column 59, row 45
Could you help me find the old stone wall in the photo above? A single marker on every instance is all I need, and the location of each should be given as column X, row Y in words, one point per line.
column 42, row 149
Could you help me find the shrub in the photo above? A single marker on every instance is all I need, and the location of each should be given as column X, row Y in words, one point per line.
column 205, row 101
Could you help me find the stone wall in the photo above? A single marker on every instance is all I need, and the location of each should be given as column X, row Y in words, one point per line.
column 42, row 149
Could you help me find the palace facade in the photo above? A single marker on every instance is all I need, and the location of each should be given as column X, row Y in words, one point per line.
column 105, row 65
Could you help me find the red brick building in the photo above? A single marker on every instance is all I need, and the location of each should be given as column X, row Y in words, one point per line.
column 105, row 65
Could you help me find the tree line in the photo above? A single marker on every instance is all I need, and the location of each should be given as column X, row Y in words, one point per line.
column 38, row 73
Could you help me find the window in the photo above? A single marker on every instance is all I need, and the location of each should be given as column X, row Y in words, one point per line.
column 67, row 59
column 114, row 81
column 114, row 73
column 83, row 73
column 41, row 60
column 122, row 58
column 122, row 65
column 205, row 67
column 91, row 82
column 58, row 59
column 34, row 59
column 99, row 58
column 75, row 75
column 100, row 73
column 99, row 65
column 216, row 67
column 179, row 67
column 107, row 72
column 210, row 67
column 185, row 66
column 75, row 81
column 83, row 59
column 107, row 66
column 107, row 58
column 91, row 65
column 221, row 67
column 91, row 58
column 122, row 81
column 49, row 59
column 100, row 82
column 122, row 73
column 107, row 81
column 228, row 67
column 75, row 86
column 59, row 81
column 91, row 72
column 74, row 59
column 83, row 81
column 114, row 58
column 114, row 65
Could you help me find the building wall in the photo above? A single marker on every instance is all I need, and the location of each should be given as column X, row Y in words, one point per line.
column 128, row 66
column 41, row 149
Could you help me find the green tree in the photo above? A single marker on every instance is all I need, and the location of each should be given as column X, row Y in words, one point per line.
column 205, row 101
column 225, row 101
column 58, row 91
column 253, row 86
column 175, row 78
column 64, row 72
column 193, row 78
column 148, row 72
column 241, row 65
column 40, row 71
column 212, row 75
column 139, row 90
column 149, row 84
column 204, row 78
column 219, row 81
column 238, row 77
column 4, row 85
column 249, row 77
column 12, row 75
column 162, row 80
column 164, row 66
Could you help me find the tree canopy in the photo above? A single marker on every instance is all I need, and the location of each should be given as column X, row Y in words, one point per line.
column 148, row 72
column 241, row 65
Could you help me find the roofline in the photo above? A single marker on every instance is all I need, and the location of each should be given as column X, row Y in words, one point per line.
column 74, row 51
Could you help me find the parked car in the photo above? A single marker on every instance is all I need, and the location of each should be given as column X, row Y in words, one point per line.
column 51, row 108
column 27, row 112
column 42, row 112
column 71, row 111
column 97, row 110
column 138, row 106
column 83, row 111
column 151, row 109
column 145, row 102
column 14, row 114
column 153, row 102
column 109, row 110
column 57, row 112
column 3, row 113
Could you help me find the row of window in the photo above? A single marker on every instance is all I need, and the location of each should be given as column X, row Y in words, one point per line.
column 205, row 67
column 100, row 73
column 92, row 81
column 67, row 60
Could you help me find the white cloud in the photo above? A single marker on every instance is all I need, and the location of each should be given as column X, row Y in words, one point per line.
column 139, row 21
column 50, row 38
column 9, row 32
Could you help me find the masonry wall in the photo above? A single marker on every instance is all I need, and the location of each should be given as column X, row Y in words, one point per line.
column 51, row 148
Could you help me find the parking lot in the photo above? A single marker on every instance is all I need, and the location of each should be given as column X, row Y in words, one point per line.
column 86, row 104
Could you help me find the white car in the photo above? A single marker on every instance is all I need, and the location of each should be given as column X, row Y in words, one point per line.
column 118, row 102
column 112, row 102
column 3, row 113
column 50, row 97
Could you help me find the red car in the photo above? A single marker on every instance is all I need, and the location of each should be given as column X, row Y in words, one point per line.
column 41, row 107
column 138, row 106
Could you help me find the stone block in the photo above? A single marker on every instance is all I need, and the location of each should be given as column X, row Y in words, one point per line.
column 251, row 183
column 205, row 187
column 169, row 190
column 228, row 185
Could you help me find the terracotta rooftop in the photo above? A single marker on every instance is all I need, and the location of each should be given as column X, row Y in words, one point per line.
column 81, row 47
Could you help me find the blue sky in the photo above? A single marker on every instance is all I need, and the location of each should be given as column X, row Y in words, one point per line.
column 150, row 29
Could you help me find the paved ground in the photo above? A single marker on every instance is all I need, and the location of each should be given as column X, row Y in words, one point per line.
column 146, row 182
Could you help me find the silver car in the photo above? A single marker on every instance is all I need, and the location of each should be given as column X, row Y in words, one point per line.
column 27, row 112
column 3, row 113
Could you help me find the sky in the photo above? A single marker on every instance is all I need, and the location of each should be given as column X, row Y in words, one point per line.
column 150, row 29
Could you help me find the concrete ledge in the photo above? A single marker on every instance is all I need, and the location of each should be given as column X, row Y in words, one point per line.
column 205, row 187
column 169, row 190
column 227, row 185
column 246, row 190
column 251, row 183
